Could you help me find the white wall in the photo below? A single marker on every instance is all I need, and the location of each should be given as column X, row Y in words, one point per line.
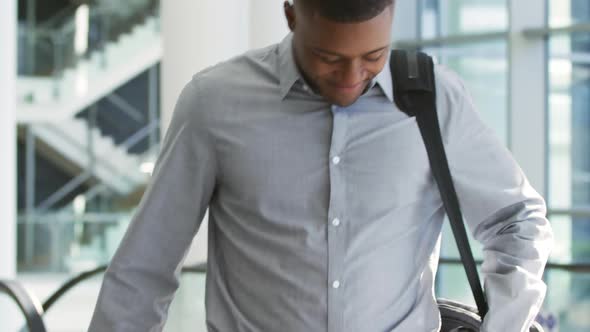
column 268, row 24
column 8, row 138
column 197, row 34
column 9, row 317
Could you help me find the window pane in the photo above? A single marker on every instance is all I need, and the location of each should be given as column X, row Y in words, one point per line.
column 569, row 121
column 567, row 303
column 565, row 12
column 452, row 283
column 452, row 17
column 572, row 239
column 568, row 297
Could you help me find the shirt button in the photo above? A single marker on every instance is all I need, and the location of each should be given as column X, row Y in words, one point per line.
column 336, row 160
column 336, row 222
column 336, row 284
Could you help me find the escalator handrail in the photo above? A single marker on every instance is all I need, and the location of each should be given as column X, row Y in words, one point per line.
column 199, row 268
column 28, row 304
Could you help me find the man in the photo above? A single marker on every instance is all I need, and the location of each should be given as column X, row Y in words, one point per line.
column 323, row 214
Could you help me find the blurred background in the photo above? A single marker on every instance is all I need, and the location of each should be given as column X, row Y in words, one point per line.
column 87, row 89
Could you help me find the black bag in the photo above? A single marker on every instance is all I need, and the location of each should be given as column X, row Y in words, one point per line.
column 415, row 94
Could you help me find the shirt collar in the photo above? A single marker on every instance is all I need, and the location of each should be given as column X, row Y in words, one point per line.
column 289, row 73
column 384, row 80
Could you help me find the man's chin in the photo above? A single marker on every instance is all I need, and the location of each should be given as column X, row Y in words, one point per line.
column 342, row 97
column 343, row 101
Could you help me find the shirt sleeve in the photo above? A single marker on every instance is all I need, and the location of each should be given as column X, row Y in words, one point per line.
column 144, row 274
column 501, row 209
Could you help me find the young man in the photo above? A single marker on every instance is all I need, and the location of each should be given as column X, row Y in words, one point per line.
column 323, row 212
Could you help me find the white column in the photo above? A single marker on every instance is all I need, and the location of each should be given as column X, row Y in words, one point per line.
column 268, row 24
column 527, row 85
column 198, row 34
column 8, row 139
column 9, row 317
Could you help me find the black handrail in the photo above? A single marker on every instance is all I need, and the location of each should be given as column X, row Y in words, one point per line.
column 33, row 311
column 26, row 302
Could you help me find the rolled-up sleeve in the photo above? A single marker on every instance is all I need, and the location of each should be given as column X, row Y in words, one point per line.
column 502, row 210
column 144, row 273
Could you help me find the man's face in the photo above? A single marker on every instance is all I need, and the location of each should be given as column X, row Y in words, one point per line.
column 339, row 60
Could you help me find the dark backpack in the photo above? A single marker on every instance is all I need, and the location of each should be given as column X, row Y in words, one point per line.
column 415, row 94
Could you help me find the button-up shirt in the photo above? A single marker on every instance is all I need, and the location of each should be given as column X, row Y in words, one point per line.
column 321, row 218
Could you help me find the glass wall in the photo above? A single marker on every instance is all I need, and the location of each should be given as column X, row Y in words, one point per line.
column 471, row 37
column 569, row 162
column 94, row 67
column 456, row 17
column 83, row 227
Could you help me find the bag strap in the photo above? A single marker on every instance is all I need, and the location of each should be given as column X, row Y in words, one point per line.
column 415, row 94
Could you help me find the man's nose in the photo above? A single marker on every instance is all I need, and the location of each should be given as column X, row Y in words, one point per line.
column 352, row 73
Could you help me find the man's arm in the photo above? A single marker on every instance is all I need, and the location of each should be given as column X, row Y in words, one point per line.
column 143, row 275
column 502, row 210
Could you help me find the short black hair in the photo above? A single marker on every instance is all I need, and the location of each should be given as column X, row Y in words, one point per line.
column 347, row 11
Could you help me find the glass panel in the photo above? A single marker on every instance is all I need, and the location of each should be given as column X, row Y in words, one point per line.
column 59, row 243
column 187, row 311
column 569, row 121
column 452, row 17
column 451, row 283
column 73, row 311
column 565, row 12
column 567, row 304
column 572, row 239
column 11, row 318
column 484, row 69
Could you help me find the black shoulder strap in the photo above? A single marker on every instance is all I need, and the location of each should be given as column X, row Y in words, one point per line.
column 415, row 94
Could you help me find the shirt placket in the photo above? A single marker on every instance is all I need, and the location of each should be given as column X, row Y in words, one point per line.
column 336, row 219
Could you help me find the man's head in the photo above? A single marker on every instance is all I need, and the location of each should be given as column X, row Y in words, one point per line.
column 340, row 45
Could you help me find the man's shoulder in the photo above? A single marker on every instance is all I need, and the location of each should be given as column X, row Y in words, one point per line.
column 448, row 83
column 213, row 91
column 248, row 69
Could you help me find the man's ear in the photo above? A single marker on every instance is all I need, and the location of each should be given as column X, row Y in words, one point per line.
column 290, row 14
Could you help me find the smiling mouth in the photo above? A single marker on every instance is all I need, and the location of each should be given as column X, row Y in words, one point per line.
column 348, row 88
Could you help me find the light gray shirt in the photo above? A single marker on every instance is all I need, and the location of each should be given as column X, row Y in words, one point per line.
column 321, row 218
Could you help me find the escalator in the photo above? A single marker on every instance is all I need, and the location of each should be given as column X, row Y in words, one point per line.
column 32, row 309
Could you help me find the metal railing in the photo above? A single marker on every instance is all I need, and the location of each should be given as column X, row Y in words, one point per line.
column 75, row 34
column 28, row 304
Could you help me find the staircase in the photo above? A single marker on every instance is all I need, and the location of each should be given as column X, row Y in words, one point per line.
column 114, row 166
column 53, row 99
column 49, row 104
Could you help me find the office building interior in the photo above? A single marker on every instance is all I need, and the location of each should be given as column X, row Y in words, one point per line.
column 87, row 89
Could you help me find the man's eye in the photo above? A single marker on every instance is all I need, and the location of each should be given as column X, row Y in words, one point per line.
column 329, row 59
column 374, row 58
